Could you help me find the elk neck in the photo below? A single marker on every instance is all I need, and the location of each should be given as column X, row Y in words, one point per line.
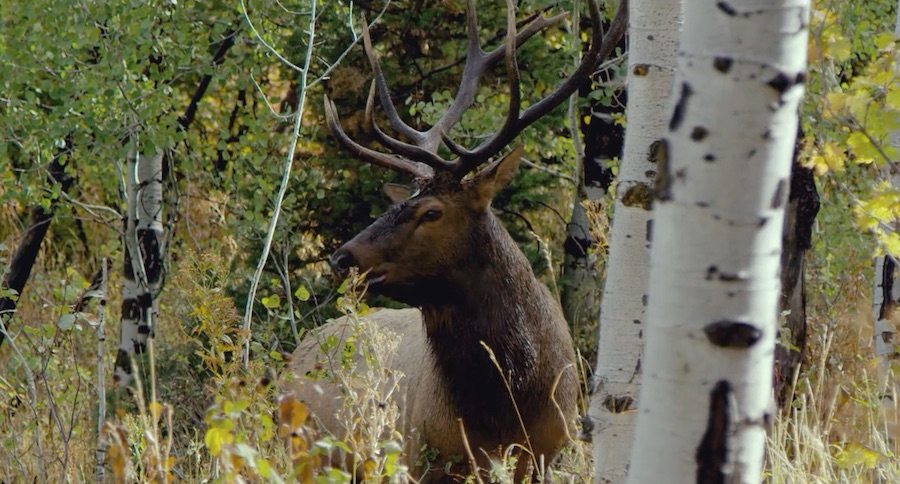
column 498, row 302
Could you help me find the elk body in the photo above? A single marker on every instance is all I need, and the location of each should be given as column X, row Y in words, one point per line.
column 440, row 249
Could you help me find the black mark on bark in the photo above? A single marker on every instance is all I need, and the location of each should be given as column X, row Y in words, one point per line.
column 727, row 8
column 638, row 195
column 778, row 198
column 150, row 250
column 681, row 107
column 663, row 177
column 732, row 334
column 723, row 64
column 618, row 404
column 659, row 148
column 123, row 361
column 131, row 309
column 640, row 70
column 712, row 453
column 699, row 133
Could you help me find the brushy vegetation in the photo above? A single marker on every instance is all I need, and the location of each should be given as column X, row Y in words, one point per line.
column 198, row 414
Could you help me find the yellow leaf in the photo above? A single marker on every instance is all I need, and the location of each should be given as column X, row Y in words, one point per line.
column 862, row 148
column 118, row 455
column 369, row 468
column 264, row 468
column 586, row 120
column 237, row 462
column 292, row 414
column 884, row 40
column 216, row 438
column 155, row 409
column 892, row 98
column 837, row 100
column 840, row 49
column 856, row 455
column 891, row 242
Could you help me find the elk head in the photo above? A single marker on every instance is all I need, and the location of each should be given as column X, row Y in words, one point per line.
column 414, row 250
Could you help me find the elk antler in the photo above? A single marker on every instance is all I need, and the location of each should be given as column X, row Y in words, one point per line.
column 419, row 158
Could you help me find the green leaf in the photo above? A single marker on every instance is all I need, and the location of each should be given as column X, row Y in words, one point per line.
column 66, row 321
column 302, row 293
column 271, row 302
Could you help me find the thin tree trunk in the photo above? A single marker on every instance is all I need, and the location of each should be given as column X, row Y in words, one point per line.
column 653, row 42
column 802, row 207
column 579, row 284
column 26, row 253
column 885, row 302
column 580, row 278
column 714, row 278
column 886, row 295
column 143, row 260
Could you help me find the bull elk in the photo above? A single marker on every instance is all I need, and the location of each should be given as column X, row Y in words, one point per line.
column 441, row 250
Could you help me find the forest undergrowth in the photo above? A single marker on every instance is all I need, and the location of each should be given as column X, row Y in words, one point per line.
column 197, row 414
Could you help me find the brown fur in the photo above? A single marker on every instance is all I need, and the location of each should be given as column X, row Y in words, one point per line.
column 472, row 285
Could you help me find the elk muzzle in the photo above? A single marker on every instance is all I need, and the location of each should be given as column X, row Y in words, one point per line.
column 342, row 260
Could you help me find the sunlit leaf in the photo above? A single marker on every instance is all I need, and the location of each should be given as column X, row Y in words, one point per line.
column 271, row 302
column 302, row 293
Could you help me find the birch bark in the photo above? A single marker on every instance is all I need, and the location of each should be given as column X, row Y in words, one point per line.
column 885, row 300
column 142, row 267
column 653, row 32
column 714, row 277
column 886, row 295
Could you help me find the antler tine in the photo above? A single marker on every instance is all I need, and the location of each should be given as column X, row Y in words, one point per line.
column 474, row 68
column 601, row 47
column 412, row 152
column 508, row 130
column 474, row 46
column 477, row 63
column 417, row 170
column 384, row 94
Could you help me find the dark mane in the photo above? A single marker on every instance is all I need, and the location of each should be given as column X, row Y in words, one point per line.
column 504, row 313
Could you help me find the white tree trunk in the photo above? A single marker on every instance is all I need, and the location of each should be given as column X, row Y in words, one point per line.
column 885, row 300
column 143, row 260
column 653, row 38
column 886, row 296
column 714, row 278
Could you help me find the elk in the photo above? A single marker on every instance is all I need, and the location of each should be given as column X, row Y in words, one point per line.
column 441, row 250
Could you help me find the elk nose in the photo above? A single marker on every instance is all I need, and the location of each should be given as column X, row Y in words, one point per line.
column 342, row 261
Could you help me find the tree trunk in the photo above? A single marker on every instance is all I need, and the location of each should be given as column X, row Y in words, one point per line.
column 802, row 208
column 580, row 278
column 579, row 283
column 886, row 296
column 885, row 301
column 714, row 278
column 143, row 260
column 32, row 237
column 653, row 41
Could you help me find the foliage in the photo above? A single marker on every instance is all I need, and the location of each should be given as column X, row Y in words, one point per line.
column 89, row 79
column 853, row 111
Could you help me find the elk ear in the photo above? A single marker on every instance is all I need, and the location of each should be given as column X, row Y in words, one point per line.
column 495, row 177
column 396, row 192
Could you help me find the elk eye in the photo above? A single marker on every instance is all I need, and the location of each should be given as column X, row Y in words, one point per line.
column 431, row 215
